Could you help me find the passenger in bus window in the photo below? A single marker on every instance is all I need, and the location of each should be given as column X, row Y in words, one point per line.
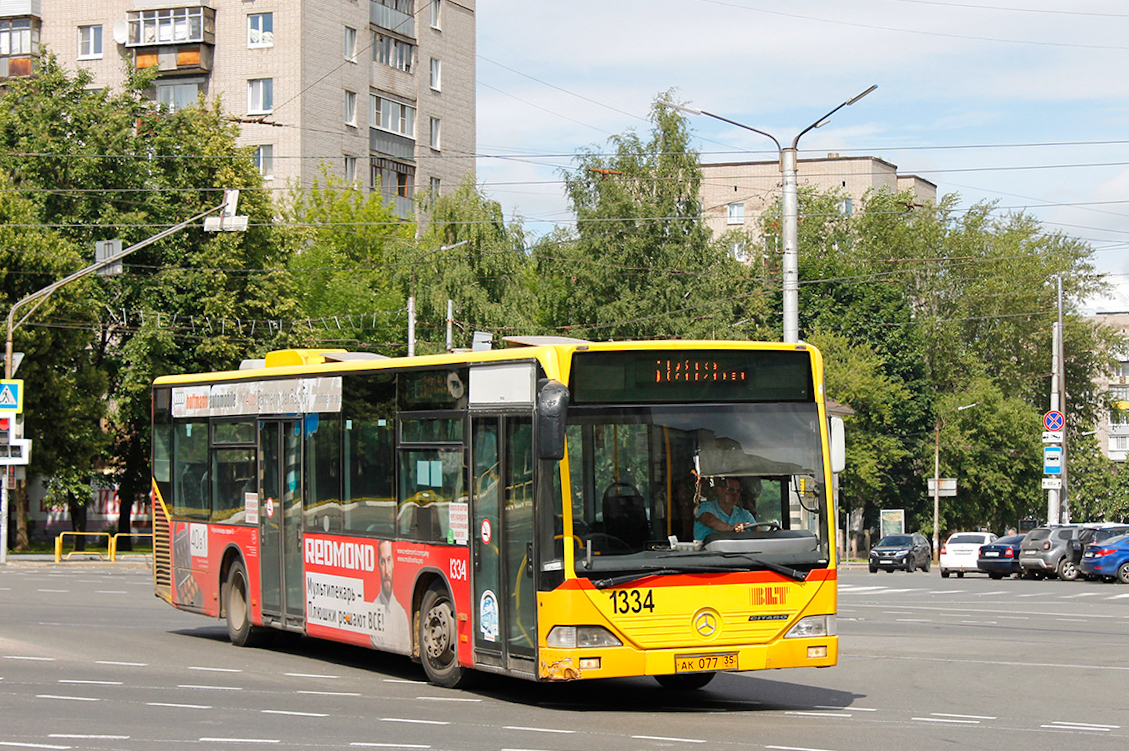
column 723, row 514
column 390, row 627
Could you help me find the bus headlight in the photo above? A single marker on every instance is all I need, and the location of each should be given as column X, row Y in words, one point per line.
column 813, row 625
column 581, row 637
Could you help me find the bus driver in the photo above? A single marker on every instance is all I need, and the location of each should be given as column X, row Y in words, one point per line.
column 723, row 515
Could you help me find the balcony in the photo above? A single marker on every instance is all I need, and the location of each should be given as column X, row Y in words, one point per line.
column 19, row 40
column 393, row 15
column 174, row 40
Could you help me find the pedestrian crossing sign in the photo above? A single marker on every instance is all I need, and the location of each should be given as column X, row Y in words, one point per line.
column 11, row 396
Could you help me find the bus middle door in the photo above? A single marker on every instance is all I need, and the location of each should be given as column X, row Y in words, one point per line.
column 280, row 519
column 504, row 602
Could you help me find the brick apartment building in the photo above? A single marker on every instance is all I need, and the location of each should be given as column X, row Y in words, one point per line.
column 379, row 92
column 735, row 194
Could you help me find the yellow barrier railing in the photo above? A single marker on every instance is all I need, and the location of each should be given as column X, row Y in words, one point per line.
column 111, row 545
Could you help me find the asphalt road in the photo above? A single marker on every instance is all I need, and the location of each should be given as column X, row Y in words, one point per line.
column 89, row 659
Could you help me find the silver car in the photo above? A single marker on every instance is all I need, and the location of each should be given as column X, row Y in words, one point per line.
column 1054, row 551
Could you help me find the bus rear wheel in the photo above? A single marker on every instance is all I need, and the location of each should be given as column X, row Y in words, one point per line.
column 685, row 682
column 238, row 612
column 438, row 639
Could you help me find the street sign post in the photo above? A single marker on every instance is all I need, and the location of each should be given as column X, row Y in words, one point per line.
column 1054, row 420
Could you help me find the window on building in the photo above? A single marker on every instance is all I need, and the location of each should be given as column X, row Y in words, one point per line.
column 737, row 250
column 351, row 108
column 18, row 36
column 436, row 13
column 847, row 207
column 264, row 160
column 434, row 133
column 1119, row 443
column 393, row 52
column 178, row 94
column 392, row 178
column 735, row 213
column 350, row 44
column 350, row 169
column 436, row 75
column 393, row 116
column 89, row 42
column 171, row 25
column 260, row 96
column 260, row 30
column 433, row 184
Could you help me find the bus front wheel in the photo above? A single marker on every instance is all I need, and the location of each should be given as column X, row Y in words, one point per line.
column 237, row 610
column 685, row 682
column 438, row 639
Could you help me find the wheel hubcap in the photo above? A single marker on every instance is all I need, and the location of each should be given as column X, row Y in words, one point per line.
column 437, row 639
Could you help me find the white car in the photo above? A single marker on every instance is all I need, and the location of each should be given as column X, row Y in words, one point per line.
column 960, row 552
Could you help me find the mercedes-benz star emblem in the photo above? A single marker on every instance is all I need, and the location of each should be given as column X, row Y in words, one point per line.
column 705, row 623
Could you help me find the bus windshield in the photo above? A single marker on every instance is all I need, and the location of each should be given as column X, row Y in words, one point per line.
column 640, row 477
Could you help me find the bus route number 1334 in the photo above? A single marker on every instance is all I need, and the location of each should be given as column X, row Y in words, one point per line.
column 632, row 601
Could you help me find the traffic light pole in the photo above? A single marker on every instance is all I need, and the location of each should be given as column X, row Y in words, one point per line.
column 227, row 221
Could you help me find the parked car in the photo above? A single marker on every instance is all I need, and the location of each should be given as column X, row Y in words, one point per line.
column 906, row 552
column 1102, row 532
column 961, row 551
column 1054, row 551
column 1107, row 559
column 1001, row 557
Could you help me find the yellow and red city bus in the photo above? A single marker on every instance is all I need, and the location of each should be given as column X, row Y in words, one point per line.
column 528, row 511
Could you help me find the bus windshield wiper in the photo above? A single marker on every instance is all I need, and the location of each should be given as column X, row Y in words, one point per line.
column 614, row 581
column 788, row 571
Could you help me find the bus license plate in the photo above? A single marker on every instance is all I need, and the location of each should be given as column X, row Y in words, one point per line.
column 704, row 663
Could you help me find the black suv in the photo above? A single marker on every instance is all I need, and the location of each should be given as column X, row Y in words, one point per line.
column 1054, row 551
column 907, row 552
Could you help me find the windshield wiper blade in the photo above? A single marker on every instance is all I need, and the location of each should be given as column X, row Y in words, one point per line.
column 614, row 581
column 788, row 571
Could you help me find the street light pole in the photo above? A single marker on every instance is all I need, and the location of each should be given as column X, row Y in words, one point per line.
column 937, row 478
column 228, row 221
column 412, row 298
column 790, row 312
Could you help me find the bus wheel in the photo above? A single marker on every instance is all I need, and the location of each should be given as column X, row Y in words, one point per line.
column 438, row 639
column 685, row 682
column 237, row 610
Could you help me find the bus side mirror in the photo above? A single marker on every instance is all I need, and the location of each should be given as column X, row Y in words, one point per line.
column 552, row 409
column 838, row 444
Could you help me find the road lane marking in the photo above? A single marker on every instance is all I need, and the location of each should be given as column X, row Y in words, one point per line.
column 294, row 714
column 414, row 722
column 122, row 664
column 990, row 662
column 944, row 719
column 214, row 670
column 14, row 744
column 239, row 740
column 311, row 675
column 914, row 620
column 177, row 706
column 54, row 591
column 820, row 714
column 445, row 698
column 30, row 659
column 91, row 683
column 211, row 688
column 794, row 748
column 963, row 716
column 664, row 738
column 365, row 744
column 538, row 730
column 1084, row 726
column 66, row 698
column 76, row 736
column 329, row 693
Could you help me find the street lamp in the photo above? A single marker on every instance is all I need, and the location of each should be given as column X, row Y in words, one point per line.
column 412, row 298
column 790, row 209
column 937, row 476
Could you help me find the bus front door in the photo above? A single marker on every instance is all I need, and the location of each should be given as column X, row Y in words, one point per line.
column 505, row 623
column 280, row 520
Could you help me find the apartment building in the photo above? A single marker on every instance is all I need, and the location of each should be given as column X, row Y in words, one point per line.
column 377, row 92
column 735, row 194
column 1113, row 432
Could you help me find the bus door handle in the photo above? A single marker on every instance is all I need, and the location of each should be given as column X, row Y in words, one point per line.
column 477, row 553
column 529, row 559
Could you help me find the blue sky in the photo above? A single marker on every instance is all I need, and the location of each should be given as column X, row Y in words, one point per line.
column 1021, row 102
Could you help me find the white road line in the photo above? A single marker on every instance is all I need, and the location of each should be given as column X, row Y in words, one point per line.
column 1118, row 597
column 980, row 623
column 65, row 698
column 860, row 589
column 211, row 688
column 363, row 744
column 963, row 716
column 1087, row 725
column 664, row 738
column 13, row 744
column 414, row 722
column 177, row 706
column 853, row 709
column 989, row 662
column 946, row 591
column 445, row 698
column 989, row 594
column 1071, row 620
column 31, row 659
column 1082, row 594
column 329, row 693
column 91, row 683
column 942, row 719
column 294, row 714
column 54, row 591
column 898, row 591
column 239, row 740
column 1087, row 728
column 1013, row 617
column 215, row 670
column 820, row 714
column 538, row 730
column 914, row 620
column 794, row 748
column 311, row 675
column 123, row 664
column 401, row 680
column 76, row 736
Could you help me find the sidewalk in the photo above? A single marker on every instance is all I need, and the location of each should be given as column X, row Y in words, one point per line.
column 124, row 560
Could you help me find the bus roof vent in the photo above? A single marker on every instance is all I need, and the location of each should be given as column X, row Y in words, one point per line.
column 542, row 341
column 352, row 356
column 254, row 364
